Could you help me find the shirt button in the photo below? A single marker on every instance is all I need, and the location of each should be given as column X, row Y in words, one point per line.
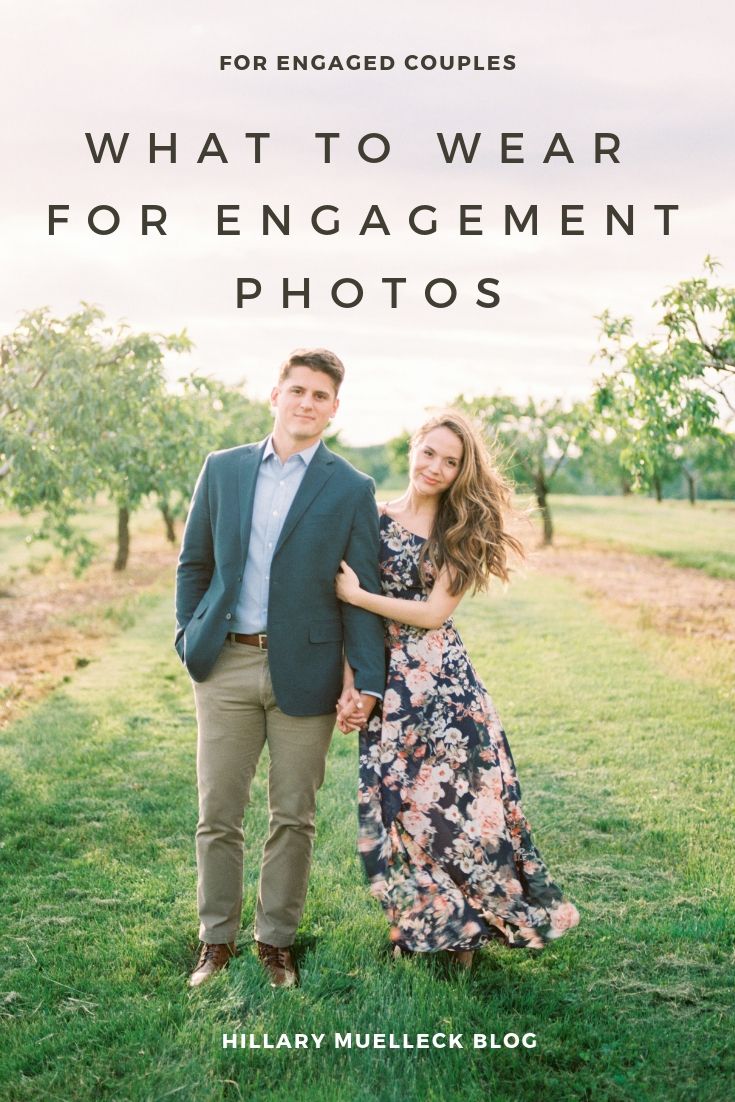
column 228, row 616
column 275, row 512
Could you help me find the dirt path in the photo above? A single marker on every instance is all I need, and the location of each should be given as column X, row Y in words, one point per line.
column 672, row 599
column 53, row 623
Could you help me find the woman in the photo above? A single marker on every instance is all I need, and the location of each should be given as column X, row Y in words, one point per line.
column 446, row 845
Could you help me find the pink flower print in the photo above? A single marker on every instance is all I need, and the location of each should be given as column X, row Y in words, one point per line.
column 564, row 917
column 489, row 812
column 494, row 782
column 427, row 793
column 419, row 682
column 417, row 825
column 391, row 732
column 391, row 702
column 457, row 757
column 426, row 647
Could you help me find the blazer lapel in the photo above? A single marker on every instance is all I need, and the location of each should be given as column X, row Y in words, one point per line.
column 317, row 473
column 247, row 477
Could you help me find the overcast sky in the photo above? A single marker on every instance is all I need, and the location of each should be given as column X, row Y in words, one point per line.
column 659, row 75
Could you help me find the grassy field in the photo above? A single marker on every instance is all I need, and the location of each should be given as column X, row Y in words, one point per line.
column 702, row 536
column 626, row 762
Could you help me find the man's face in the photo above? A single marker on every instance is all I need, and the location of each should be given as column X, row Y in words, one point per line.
column 303, row 404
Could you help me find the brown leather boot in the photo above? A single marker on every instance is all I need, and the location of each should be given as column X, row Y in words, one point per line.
column 462, row 957
column 212, row 959
column 279, row 964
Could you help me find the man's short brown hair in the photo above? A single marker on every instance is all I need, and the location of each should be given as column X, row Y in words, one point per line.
column 318, row 359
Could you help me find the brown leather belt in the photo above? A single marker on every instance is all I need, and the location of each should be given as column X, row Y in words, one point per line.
column 260, row 641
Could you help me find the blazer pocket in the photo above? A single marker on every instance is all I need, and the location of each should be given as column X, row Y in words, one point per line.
column 326, row 631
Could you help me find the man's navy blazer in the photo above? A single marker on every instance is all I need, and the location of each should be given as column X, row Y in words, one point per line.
column 333, row 517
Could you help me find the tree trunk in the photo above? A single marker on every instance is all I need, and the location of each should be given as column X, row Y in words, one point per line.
column 691, row 486
column 625, row 487
column 657, row 488
column 543, row 504
column 123, row 538
column 168, row 520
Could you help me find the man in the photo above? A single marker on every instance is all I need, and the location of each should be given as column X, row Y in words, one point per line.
column 261, row 632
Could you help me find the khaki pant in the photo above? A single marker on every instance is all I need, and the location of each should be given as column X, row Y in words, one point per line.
column 237, row 714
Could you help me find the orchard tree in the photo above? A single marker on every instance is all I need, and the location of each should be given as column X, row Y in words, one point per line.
column 707, row 464
column 83, row 409
column 674, row 386
column 698, row 327
column 203, row 415
column 535, row 437
column 601, row 456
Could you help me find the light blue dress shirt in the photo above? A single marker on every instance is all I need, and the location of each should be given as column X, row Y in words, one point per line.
column 275, row 489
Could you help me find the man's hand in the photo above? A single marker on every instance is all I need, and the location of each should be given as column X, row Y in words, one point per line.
column 353, row 709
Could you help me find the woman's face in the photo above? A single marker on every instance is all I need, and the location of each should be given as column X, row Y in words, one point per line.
column 436, row 460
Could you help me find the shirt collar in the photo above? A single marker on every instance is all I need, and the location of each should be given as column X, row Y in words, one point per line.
column 306, row 455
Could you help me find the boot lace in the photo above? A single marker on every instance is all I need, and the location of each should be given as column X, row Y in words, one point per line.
column 272, row 954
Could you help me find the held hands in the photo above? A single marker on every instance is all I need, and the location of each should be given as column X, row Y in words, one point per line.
column 347, row 584
column 353, row 709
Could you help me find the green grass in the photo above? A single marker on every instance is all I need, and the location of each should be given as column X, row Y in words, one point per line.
column 21, row 551
column 626, row 769
column 701, row 536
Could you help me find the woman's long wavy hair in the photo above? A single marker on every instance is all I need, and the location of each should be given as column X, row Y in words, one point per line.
column 469, row 536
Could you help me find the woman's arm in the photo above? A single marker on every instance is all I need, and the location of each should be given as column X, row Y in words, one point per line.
column 431, row 613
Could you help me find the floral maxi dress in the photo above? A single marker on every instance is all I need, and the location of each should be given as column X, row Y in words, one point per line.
column 446, row 846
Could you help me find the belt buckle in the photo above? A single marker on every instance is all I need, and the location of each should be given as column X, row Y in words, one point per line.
column 262, row 641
